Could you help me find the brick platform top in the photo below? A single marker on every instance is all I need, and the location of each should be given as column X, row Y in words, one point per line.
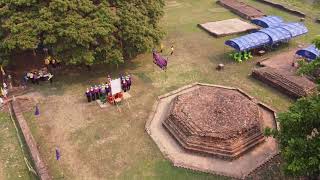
column 215, row 120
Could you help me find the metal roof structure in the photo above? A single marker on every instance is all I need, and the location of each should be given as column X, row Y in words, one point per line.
column 296, row 29
column 268, row 36
column 277, row 34
column 249, row 41
column 268, row 21
column 311, row 52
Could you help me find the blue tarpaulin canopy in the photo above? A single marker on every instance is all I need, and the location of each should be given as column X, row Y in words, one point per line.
column 249, row 41
column 295, row 29
column 268, row 36
column 277, row 34
column 268, row 21
column 310, row 52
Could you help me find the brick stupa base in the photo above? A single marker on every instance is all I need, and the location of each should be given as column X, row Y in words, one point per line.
column 217, row 121
column 213, row 129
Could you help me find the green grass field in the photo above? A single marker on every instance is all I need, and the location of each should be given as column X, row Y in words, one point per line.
column 12, row 163
column 106, row 144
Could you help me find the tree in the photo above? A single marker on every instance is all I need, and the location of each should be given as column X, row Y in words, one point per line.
column 299, row 137
column 316, row 41
column 312, row 68
column 81, row 31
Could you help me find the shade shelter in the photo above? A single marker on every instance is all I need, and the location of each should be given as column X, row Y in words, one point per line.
column 268, row 21
column 311, row 52
column 276, row 34
column 268, row 36
column 249, row 41
column 295, row 29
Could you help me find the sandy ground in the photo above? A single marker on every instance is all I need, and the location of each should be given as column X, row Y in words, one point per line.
column 282, row 61
column 227, row 27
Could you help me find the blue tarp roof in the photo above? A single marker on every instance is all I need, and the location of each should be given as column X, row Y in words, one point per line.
column 268, row 21
column 296, row 29
column 310, row 52
column 270, row 36
column 249, row 41
column 277, row 34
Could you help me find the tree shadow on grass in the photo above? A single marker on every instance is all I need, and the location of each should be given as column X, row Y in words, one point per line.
column 82, row 77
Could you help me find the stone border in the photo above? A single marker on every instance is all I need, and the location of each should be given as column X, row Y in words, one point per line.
column 194, row 168
column 284, row 8
column 40, row 166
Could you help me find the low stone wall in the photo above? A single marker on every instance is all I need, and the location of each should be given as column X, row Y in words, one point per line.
column 284, row 8
column 40, row 166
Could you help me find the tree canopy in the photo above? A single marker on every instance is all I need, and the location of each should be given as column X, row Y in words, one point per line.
column 312, row 68
column 81, row 31
column 299, row 137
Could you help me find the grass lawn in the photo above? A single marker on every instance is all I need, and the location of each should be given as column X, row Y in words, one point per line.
column 12, row 164
column 106, row 144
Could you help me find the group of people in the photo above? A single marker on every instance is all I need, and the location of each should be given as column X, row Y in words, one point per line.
column 98, row 92
column 125, row 82
column 104, row 90
column 38, row 75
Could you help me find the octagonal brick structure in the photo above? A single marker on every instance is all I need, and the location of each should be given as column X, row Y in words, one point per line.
column 220, row 122
column 237, row 165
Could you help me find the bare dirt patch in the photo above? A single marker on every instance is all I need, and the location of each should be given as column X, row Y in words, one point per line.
column 227, row 27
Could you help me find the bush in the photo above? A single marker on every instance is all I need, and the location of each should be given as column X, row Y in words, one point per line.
column 299, row 137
